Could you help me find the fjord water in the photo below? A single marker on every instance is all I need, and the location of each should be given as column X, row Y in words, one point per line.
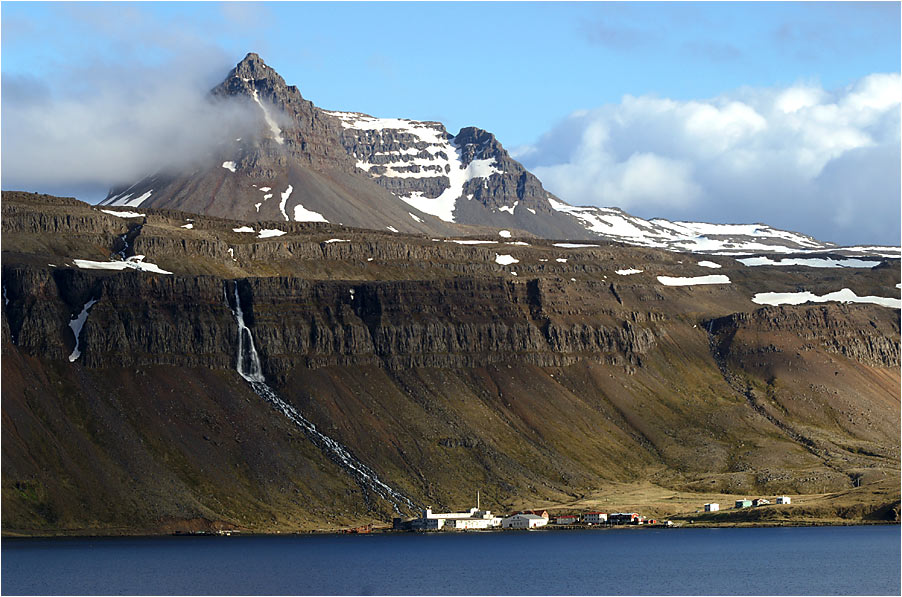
column 686, row 561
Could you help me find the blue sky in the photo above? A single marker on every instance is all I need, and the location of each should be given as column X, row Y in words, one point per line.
column 541, row 76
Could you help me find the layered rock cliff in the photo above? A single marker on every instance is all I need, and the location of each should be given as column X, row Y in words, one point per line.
column 529, row 370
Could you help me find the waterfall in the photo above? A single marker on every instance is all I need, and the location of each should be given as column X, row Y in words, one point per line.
column 248, row 366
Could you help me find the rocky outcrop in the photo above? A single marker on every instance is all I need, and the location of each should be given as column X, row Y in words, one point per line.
column 870, row 339
column 305, row 134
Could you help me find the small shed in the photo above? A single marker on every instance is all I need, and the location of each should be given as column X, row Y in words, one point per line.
column 760, row 502
column 712, row 507
column 783, row 500
column 743, row 503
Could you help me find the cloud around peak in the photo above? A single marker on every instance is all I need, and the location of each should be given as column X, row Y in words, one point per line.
column 801, row 157
column 107, row 123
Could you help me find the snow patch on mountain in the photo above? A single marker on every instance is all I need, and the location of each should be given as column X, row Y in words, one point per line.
column 505, row 259
column 843, row 296
column 229, row 166
column 123, row 214
column 809, row 262
column 302, row 214
column 433, row 155
column 693, row 281
column 699, row 237
column 135, row 262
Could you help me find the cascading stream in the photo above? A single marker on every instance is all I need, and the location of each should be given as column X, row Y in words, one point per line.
column 248, row 366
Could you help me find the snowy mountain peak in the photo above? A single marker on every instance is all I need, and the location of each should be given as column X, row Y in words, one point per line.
column 393, row 173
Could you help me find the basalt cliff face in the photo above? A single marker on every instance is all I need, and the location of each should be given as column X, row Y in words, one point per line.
column 529, row 370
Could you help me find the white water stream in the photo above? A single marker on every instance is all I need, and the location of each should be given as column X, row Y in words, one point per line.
column 249, row 368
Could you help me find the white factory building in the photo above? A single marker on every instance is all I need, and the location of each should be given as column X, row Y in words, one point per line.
column 474, row 519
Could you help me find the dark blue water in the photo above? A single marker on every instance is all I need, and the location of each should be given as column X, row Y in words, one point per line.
column 767, row 561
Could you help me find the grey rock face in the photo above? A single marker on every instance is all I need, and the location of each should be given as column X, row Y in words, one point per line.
column 307, row 135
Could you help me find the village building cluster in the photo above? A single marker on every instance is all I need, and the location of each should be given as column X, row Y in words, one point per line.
column 476, row 518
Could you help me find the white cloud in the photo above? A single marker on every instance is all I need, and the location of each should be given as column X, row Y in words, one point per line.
column 800, row 157
column 86, row 117
column 126, row 127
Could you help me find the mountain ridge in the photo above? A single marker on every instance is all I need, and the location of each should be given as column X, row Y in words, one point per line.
column 401, row 174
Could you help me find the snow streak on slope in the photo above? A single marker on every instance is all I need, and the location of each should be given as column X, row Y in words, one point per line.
column 273, row 127
column 285, row 195
column 125, row 200
column 248, row 366
column 76, row 324
column 427, row 152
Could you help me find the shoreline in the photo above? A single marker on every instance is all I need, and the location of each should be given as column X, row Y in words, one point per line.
column 78, row 534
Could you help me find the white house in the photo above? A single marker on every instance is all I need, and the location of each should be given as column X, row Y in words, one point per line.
column 523, row 521
column 595, row 517
column 783, row 500
column 712, row 507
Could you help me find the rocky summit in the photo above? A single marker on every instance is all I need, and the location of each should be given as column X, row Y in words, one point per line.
column 170, row 371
